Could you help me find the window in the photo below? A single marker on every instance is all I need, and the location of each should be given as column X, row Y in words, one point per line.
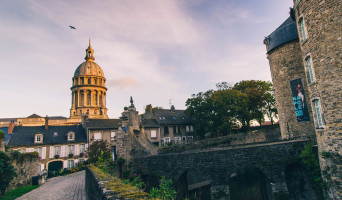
column 309, row 69
column 39, row 151
column 112, row 136
column 153, row 134
column 89, row 81
column 82, row 81
column 302, row 29
column 71, row 136
column 71, row 149
column 184, row 138
column 178, row 140
column 97, row 136
column 179, row 129
column 318, row 113
column 38, row 138
column 70, row 164
column 187, row 129
column 167, row 140
column 57, row 150
column 191, row 128
column 166, row 129
column 82, row 148
column 174, row 129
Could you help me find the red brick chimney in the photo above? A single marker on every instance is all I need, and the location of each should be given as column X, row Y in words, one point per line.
column 46, row 122
column 11, row 127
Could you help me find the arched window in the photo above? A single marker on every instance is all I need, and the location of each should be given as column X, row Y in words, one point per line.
column 88, row 97
column 95, row 98
column 82, row 80
column 82, row 98
column 89, row 81
column 101, row 99
column 89, row 54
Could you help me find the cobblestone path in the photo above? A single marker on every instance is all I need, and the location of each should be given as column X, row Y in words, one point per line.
column 70, row 187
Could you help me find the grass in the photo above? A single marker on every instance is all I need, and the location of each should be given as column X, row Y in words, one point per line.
column 13, row 194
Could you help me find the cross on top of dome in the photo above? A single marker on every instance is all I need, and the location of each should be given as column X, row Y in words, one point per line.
column 89, row 53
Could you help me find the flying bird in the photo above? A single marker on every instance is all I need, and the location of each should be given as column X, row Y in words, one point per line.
column 72, row 27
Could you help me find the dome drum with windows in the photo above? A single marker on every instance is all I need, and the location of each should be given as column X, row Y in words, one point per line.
column 89, row 89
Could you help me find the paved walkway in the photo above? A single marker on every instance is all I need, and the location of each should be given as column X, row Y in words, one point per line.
column 70, row 187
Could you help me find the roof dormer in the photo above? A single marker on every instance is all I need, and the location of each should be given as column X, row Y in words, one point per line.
column 71, row 136
column 38, row 138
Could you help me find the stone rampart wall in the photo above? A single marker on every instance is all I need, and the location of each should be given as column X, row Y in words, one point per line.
column 270, row 134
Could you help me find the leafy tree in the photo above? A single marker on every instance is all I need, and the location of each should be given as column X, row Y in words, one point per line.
column 98, row 149
column 7, row 172
column 257, row 92
column 165, row 190
column 270, row 108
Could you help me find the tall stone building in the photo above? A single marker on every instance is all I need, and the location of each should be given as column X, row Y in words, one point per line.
column 319, row 26
column 89, row 89
column 313, row 55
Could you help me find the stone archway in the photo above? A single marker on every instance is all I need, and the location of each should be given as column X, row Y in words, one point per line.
column 54, row 167
column 248, row 184
column 298, row 183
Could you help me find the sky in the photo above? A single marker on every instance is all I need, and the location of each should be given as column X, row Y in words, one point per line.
column 160, row 52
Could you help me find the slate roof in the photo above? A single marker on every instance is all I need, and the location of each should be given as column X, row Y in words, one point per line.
column 286, row 32
column 150, row 123
column 172, row 117
column 103, row 123
column 24, row 135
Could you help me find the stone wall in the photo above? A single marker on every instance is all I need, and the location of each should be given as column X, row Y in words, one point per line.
column 323, row 26
column 286, row 64
column 26, row 166
column 217, row 166
column 269, row 134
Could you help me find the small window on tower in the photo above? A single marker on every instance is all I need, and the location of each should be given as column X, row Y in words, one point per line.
column 89, row 54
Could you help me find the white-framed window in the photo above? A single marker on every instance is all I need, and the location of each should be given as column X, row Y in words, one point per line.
column 318, row 113
column 38, row 138
column 39, row 151
column 302, row 29
column 97, row 136
column 309, row 68
column 187, row 129
column 70, row 164
column 58, row 150
column 191, row 128
column 71, row 149
column 112, row 136
column 82, row 148
column 71, row 136
column 167, row 140
column 153, row 134
column 178, row 140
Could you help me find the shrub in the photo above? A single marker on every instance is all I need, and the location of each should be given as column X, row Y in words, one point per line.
column 95, row 149
column 165, row 190
column 7, row 172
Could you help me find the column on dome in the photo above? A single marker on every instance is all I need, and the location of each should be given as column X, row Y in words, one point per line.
column 100, row 97
column 104, row 99
column 72, row 99
column 77, row 94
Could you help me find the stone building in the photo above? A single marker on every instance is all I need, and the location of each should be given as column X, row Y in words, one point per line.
column 284, row 55
column 89, row 89
column 319, row 26
column 165, row 126
column 58, row 146
column 316, row 51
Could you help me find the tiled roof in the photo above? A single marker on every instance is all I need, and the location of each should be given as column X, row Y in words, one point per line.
column 24, row 135
column 103, row 123
column 172, row 117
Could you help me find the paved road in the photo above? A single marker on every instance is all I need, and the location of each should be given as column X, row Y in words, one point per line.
column 70, row 187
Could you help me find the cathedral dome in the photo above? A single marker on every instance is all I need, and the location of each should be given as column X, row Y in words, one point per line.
column 88, row 68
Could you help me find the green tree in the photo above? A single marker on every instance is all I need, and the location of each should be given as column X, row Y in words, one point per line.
column 270, row 108
column 95, row 149
column 7, row 172
column 257, row 93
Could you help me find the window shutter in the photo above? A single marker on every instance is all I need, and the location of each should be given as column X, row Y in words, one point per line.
column 51, row 152
column 43, row 152
column 86, row 146
column 42, row 166
column 76, row 150
column 65, row 164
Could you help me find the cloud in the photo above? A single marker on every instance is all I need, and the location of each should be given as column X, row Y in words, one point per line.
column 123, row 83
